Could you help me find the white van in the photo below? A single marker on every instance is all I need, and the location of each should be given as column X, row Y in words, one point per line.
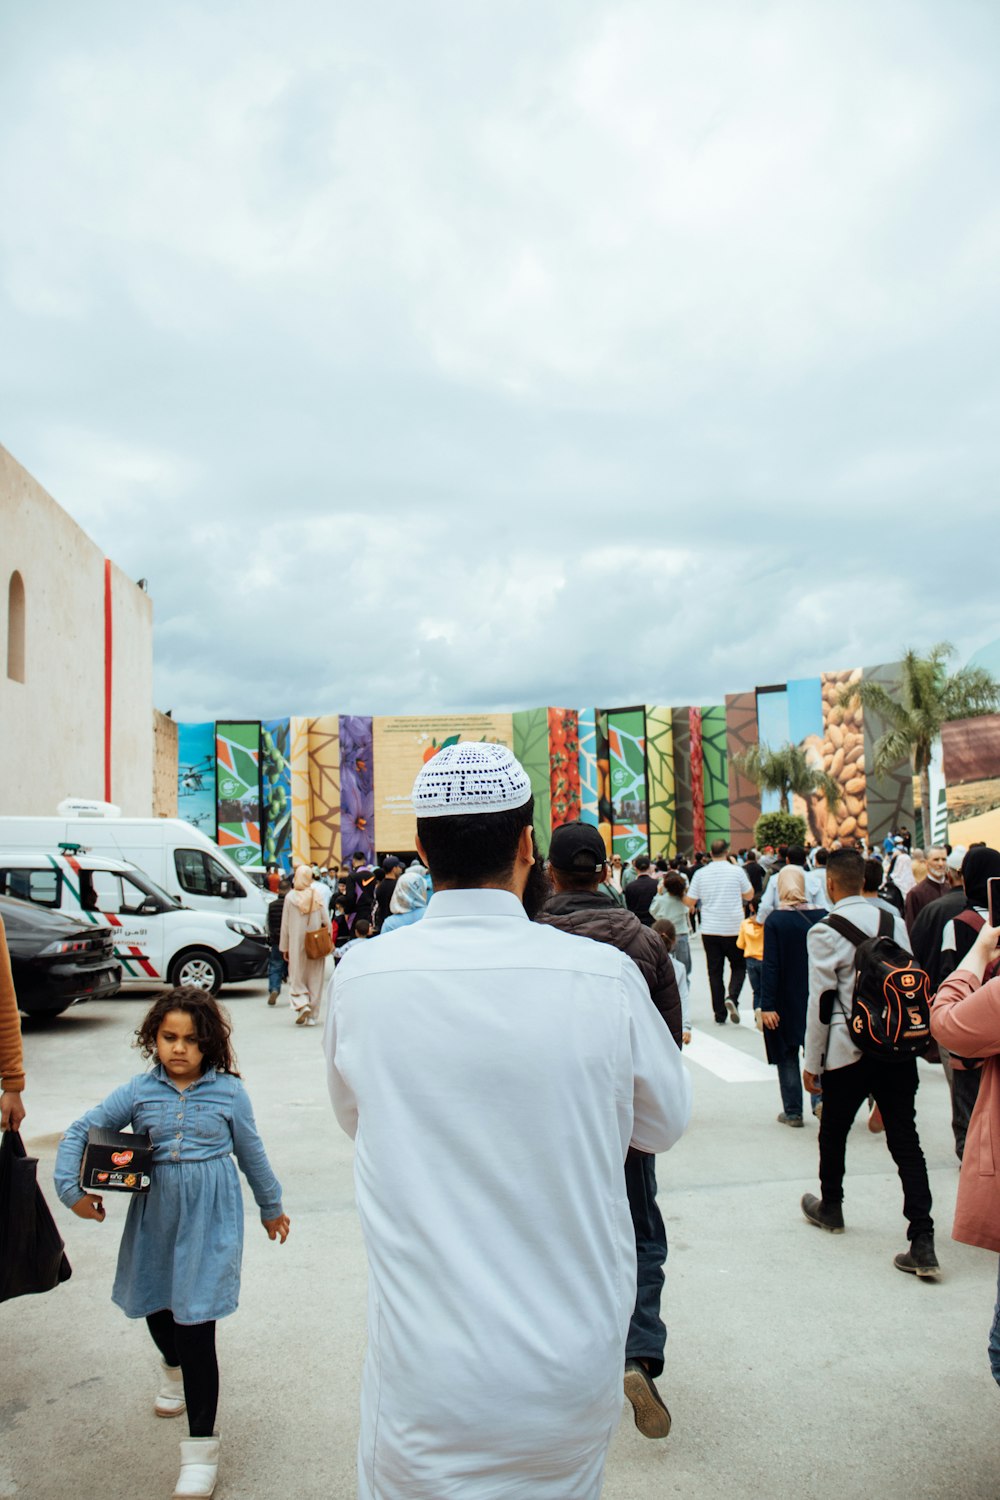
column 181, row 859
column 158, row 941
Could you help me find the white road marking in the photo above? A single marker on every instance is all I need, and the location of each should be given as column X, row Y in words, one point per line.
column 726, row 1062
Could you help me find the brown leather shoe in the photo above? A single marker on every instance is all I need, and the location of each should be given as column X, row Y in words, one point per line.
column 651, row 1415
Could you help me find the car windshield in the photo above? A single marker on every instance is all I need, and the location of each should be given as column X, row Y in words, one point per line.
column 142, row 880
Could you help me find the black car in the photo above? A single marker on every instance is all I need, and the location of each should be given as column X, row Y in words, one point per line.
column 56, row 960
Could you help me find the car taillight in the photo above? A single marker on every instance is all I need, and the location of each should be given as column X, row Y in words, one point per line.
column 72, row 945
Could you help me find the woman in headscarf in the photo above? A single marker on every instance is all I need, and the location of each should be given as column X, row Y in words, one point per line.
column 304, row 911
column 979, row 866
column 409, row 901
column 784, row 989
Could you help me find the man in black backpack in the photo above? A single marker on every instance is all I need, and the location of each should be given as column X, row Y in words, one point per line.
column 848, row 1076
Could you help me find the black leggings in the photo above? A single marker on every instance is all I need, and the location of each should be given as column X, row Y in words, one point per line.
column 192, row 1346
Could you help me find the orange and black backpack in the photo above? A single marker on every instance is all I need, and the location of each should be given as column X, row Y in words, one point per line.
column 890, row 1007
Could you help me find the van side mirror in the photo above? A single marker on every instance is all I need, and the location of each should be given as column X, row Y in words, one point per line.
column 227, row 890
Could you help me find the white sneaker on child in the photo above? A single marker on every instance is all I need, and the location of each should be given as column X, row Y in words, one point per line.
column 170, row 1396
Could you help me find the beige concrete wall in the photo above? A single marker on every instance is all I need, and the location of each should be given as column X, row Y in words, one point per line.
column 53, row 722
column 164, row 766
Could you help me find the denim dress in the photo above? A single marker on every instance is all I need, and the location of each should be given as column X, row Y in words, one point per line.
column 182, row 1245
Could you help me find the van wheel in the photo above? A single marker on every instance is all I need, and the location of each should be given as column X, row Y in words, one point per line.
column 197, row 969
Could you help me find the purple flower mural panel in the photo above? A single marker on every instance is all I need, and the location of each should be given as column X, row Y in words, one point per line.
column 357, row 787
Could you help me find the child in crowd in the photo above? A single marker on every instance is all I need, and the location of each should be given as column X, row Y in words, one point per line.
column 180, row 1254
column 668, row 932
column 751, row 940
column 670, row 906
column 362, row 930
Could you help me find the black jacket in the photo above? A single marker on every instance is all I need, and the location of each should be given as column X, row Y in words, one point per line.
column 639, row 895
column 927, row 932
column 274, row 911
column 591, row 914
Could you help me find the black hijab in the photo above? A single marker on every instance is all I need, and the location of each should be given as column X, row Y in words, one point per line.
column 979, row 866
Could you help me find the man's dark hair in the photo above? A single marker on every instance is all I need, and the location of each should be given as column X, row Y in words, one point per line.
column 822, row 855
column 873, row 876
column 719, row 846
column 848, row 869
column 641, row 862
column 357, row 855
column 472, row 849
column 783, row 853
column 796, row 854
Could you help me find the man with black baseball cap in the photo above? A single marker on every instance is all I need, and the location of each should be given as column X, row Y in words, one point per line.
column 577, row 867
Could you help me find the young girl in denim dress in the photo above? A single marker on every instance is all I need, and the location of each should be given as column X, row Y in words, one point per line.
column 180, row 1255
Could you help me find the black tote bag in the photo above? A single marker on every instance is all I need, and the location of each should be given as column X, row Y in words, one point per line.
column 32, row 1257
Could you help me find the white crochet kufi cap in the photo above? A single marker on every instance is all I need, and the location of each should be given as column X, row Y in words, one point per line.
column 470, row 777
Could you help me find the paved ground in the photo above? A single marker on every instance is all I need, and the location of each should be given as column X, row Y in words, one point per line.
column 799, row 1364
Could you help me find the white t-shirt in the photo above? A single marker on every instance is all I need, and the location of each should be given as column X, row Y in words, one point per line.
column 720, row 887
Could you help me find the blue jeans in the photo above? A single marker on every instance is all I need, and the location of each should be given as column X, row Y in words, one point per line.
column 647, row 1336
column 754, row 967
column 277, row 970
column 995, row 1337
column 790, row 1079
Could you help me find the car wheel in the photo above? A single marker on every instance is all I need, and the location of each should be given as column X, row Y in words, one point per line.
column 198, row 970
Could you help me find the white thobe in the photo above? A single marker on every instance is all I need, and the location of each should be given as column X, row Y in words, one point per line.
column 493, row 1073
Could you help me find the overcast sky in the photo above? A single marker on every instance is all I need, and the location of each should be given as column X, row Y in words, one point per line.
column 472, row 354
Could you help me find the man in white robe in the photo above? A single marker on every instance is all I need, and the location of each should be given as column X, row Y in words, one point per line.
column 494, row 1073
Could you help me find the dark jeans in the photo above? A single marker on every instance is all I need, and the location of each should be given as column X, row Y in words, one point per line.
column 786, row 1059
column 963, row 1085
column 754, row 971
column 894, row 1087
column 192, row 1346
column 994, row 1345
column 717, row 950
column 647, row 1336
column 277, row 970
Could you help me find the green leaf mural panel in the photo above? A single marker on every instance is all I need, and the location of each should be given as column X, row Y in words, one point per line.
column 683, row 804
column 889, row 796
column 715, row 764
column 531, row 746
column 744, row 798
column 660, row 771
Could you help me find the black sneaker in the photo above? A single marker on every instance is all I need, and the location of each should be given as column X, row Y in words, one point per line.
column 828, row 1216
column 920, row 1259
column 794, row 1120
column 651, row 1416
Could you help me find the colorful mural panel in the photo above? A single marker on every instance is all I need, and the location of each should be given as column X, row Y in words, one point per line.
column 276, row 778
column 564, row 761
column 323, row 739
column 744, row 798
column 196, row 776
column 589, row 785
column 629, row 798
column 715, row 773
column 697, row 780
column 888, row 797
column 298, row 730
column 357, row 788
column 402, row 744
column 237, row 790
column 660, row 773
column 683, row 810
column 773, row 730
column 531, row 746
column 971, row 751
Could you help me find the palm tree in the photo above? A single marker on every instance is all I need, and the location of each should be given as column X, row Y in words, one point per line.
column 928, row 698
column 786, row 771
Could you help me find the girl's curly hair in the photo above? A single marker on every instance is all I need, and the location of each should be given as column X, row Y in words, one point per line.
column 211, row 1023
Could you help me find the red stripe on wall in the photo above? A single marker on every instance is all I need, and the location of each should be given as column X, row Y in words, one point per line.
column 108, row 649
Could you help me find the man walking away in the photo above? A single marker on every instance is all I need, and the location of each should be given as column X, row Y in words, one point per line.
column 577, row 865
column 494, row 1072
column 639, row 892
column 847, row 1076
column 723, row 890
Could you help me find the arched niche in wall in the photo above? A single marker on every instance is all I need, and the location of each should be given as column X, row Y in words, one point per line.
column 15, row 627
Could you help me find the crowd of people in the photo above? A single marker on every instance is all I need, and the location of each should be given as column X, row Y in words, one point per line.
column 504, row 1039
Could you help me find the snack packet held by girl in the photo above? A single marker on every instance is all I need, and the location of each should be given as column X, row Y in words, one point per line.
column 182, row 1246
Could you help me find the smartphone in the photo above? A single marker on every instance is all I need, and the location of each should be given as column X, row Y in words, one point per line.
column 993, row 900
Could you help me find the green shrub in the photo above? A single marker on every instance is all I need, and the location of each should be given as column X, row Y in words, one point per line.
column 779, row 828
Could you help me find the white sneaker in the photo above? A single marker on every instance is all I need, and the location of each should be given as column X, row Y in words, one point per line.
column 734, row 1012
column 170, row 1397
column 199, row 1468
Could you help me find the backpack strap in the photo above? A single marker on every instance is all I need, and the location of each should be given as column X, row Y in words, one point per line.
column 886, row 923
column 847, row 929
